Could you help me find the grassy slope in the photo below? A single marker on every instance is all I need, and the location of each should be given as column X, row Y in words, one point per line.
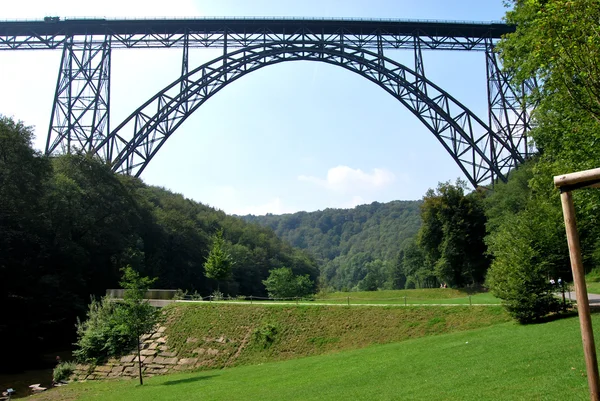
column 507, row 362
column 308, row 330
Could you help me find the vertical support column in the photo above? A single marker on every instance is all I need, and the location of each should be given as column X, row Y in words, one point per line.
column 507, row 114
column 225, row 55
column 419, row 66
column 185, row 62
column 59, row 129
column 381, row 56
column 80, row 113
column 491, row 95
column 420, row 80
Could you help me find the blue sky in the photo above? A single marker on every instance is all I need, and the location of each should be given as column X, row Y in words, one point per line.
column 294, row 136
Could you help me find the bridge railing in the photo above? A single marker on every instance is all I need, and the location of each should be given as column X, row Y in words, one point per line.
column 150, row 294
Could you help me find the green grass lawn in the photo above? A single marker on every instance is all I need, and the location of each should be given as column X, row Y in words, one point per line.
column 502, row 362
column 593, row 287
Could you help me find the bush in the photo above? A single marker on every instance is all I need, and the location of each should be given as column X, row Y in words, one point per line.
column 283, row 283
column 521, row 267
column 180, row 294
column 63, row 371
column 265, row 335
column 103, row 335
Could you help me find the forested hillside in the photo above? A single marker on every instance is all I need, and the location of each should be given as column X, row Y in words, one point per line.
column 350, row 244
column 68, row 225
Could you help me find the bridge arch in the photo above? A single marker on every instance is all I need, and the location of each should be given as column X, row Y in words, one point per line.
column 480, row 153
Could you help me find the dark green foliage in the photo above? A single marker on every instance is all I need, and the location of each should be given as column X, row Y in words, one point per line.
column 67, row 225
column 26, row 290
column 556, row 43
column 411, row 262
column 283, row 283
column 265, row 335
column 345, row 240
column 114, row 327
column 103, row 334
column 136, row 315
column 63, row 371
column 451, row 237
column 523, row 264
column 527, row 239
column 218, row 263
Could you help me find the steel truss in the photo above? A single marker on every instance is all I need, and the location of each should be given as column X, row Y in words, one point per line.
column 507, row 113
column 80, row 117
column 466, row 137
column 80, row 114
column 246, row 32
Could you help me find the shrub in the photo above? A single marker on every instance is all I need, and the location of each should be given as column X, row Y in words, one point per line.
column 283, row 283
column 63, row 371
column 521, row 267
column 103, row 334
column 265, row 335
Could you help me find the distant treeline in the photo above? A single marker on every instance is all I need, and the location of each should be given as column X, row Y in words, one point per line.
column 68, row 224
column 351, row 244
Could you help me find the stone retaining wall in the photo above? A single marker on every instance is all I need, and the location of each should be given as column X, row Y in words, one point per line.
column 157, row 359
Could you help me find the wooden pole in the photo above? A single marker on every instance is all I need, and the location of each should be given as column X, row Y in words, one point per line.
column 583, row 306
column 588, row 179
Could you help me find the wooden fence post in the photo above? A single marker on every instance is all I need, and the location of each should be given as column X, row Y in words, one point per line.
column 566, row 184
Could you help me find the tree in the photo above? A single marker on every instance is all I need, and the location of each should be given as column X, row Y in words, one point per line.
column 344, row 240
column 452, row 233
column 114, row 327
column 397, row 273
column 283, row 283
column 218, row 263
column 102, row 335
column 419, row 274
column 558, row 43
column 523, row 247
column 375, row 277
column 24, row 174
column 136, row 315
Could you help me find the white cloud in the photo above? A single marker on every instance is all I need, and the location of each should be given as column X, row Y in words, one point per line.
column 347, row 179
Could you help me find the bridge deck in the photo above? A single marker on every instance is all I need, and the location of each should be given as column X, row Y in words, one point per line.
column 51, row 32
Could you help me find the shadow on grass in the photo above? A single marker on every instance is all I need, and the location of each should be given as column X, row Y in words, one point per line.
column 472, row 290
column 556, row 316
column 188, row 380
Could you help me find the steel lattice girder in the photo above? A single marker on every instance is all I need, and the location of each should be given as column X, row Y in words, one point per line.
column 80, row 114
column 507, row 114
column 480, row 153
column 245, row 32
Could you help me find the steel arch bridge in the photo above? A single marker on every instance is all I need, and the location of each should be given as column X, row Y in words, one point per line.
column 484, row 147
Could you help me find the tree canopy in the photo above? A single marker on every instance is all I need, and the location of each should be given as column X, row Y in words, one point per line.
column 218, row 263
column 68, row 224
column 350, row 244
column 556, row 45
